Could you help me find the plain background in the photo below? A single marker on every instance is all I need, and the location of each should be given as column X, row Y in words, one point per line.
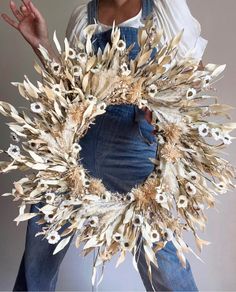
column 218, row 23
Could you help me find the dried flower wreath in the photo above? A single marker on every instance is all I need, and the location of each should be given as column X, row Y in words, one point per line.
column 188, row 172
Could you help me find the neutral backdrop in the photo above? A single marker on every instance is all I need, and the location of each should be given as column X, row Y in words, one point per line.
column 218, row 271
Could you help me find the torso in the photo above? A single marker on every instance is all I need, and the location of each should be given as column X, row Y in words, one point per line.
column 106, row 13
column 129, row 33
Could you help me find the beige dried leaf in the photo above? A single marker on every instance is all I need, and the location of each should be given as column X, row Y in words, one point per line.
column 144, row 58
column 62, row 244
column 24, row 217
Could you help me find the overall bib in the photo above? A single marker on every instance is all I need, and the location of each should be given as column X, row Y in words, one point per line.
column 116, row 149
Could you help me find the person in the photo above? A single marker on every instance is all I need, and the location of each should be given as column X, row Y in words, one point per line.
column 117, row 147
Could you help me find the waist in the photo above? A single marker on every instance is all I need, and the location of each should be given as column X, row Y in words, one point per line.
column 121, row 109
column 126, row 109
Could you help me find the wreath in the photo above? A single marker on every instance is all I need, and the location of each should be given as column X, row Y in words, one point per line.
column 188, row 171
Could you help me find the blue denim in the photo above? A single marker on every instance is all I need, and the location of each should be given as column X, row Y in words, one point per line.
column 116, row 149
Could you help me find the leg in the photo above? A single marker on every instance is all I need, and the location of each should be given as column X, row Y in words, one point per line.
column 39, row 268
column 122, row 159
column 170, row 276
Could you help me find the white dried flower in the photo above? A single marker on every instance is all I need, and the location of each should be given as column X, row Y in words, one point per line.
column 121, row 45
column 82, row 58
column 93, row 221
column 117, row 236
column 125, row 243
column 106, row 196
column 56, row 88
column 168, row 234
column 164, row 77
column 76, row 148
column 124, row 69
column 53, row 237
column 42, row 185
column 13, row 151
column 193, row 176
column 130, row 197
column 216, row 133
column 155, row 236
column 102, row 106
column 33, row 145
column 86, row 183
column 222, row 188
column 49, row 218
column 159, row 171
column 152, row 90
column 161, row 198
column 203, row 130
column 56, row 68
column 182, row 202
column 191, row 93
column 227, row 139
column 37, row 107
column 137, row 220
column 190, row 188
column 50, row 197
column 77, row 70
column 91, row 98
column 206, row 80
column 14, row 137
column 71, row 53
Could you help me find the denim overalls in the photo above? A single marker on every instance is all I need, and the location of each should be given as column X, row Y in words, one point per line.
column 116, row 148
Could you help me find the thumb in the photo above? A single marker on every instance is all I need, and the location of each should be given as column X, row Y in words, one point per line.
column 148, row 115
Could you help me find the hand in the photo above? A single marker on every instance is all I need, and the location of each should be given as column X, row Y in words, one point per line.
column 148, row 115
column 30, row 23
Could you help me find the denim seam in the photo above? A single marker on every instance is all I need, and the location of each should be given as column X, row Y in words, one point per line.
column 143, row 138
column 96, row 165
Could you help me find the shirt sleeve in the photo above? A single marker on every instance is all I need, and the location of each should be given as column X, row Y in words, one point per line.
column 77, row 22
column 175, row 15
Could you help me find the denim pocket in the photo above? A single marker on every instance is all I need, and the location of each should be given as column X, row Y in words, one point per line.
column 146, row 132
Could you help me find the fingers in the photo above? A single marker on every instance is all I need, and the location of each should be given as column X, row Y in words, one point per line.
column 10, row 21
column 26, row 2
column 36, row 12
column 24, row 10
column 15, row 11
column 28, row 9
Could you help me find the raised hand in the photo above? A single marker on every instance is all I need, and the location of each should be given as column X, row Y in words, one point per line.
column 29, row 22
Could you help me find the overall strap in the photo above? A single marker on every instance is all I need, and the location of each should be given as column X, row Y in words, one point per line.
column 147, row 7
column 92, row 8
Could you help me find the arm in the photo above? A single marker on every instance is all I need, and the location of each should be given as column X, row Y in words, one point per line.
column 32, row 26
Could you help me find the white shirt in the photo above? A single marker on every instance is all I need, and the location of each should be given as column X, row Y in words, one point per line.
column 170, row 15
column 134, row 21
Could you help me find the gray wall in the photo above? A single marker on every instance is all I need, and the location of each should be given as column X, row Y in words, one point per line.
column 218, row 22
